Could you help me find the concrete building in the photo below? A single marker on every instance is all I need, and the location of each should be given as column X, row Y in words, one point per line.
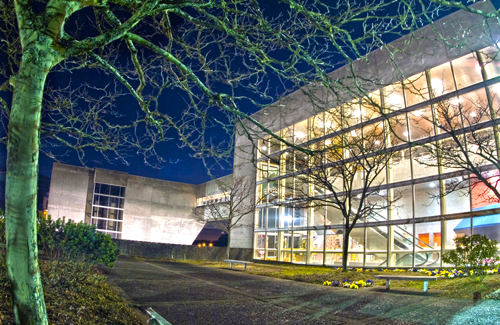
column 409, row 80
column 125, row 206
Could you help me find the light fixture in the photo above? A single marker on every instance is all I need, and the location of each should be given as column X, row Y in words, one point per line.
column 418, row 112
column 359, row 196
column 299, row 134
column 264, row 148
column 456, row 101
column 432, row 185
column 437, row 86
column 473, row 114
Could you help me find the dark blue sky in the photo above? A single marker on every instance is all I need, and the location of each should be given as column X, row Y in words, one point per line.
column 180, row 166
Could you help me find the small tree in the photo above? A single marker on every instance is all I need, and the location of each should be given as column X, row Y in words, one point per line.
column 467, row 140
column 232, row 201
column 473, row 254
column 348, row 172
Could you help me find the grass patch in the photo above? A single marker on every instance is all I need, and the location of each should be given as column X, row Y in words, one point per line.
column 75, row 293
column 461, row 288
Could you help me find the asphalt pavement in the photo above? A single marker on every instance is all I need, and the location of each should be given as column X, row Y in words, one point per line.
column 189, row 294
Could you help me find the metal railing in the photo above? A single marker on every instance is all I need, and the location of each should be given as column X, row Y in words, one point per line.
column 155, row 318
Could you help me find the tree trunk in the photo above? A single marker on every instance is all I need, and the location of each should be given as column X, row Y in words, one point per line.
column 21, row 187
column 228, row 248
column 345, row 248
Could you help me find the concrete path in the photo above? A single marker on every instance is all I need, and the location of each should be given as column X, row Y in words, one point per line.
column 189, row 294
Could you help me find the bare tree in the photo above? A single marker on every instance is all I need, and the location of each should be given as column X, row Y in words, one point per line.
column 466, row 144
column 225, row 207
column 347, row 173
column 219, row 55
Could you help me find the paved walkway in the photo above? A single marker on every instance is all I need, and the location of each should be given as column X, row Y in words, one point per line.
column 189, row 294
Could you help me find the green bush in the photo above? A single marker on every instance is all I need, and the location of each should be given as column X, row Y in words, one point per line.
column 75, row 241
column 473, row 254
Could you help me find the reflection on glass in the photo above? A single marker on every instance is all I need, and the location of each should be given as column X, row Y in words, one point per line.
column 317, row 258
column 404, row 205
column 491, row 61
column 424, row 163
column 317, row 126
column 441, row 80
column 416, row 90
column 272, row 217
column 398, row 130
column 448, row 115
column 376, row 238
column 495, row 99
column 351, row 113
column 456, row 228
column 400, row 169
column 370, row 106
column 475, row 108
column 393, row 97
column 300, row 132
column 457, row 199
column 376, row 259
column 467, row 70
column 259, row 245
column 378, row 206
column 333, row 259
column 421, row 125
column 333, row 121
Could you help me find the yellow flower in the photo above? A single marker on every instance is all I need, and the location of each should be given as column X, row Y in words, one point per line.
column 327, row 283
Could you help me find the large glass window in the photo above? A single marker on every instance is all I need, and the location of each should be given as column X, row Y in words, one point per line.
column 300, row 132
column 314, row 234
column 404, row 203
column 424, row 162
column 491, row 61
column 441, row 80
column 421, row 125
column 107, row 209
column 467, row 70
column 400, row 169
column 393, row 97
column 416, row 90
column 475, row 108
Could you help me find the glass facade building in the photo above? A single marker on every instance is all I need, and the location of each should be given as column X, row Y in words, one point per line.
column 405, row 118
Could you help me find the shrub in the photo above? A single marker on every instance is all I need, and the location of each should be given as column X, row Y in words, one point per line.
column 473, row 254
column 75, row 241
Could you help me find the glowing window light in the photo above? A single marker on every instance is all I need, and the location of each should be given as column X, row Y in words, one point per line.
column 437, row 86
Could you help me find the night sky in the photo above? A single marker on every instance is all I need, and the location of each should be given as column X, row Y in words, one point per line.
column 180, row 165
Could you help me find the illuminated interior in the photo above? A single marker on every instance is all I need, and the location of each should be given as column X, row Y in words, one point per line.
column 469, row 85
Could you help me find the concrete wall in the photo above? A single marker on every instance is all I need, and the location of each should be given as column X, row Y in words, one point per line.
column 154, row 210
column 69, row 186
column 160, row 211
column 425, row 49
column 180, row 252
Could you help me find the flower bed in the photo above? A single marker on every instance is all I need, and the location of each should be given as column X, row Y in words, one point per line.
column 444, row 273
